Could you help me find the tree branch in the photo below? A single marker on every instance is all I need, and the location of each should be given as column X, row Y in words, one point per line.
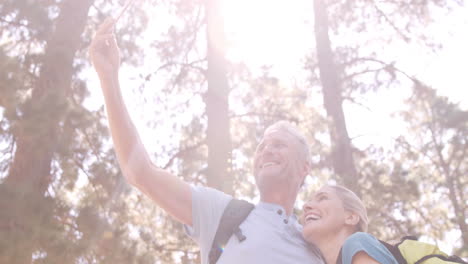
column 397, row 30
column 256, row 114
column 181, row 152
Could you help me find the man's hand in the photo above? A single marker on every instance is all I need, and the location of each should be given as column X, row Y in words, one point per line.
column 103, row 51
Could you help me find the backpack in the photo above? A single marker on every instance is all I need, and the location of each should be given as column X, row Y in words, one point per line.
column 235, row 213
column 411, row 251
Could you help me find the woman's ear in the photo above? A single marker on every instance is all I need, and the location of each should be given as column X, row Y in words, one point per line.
column 352, row 219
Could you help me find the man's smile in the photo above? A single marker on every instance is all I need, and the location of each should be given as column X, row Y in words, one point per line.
column 269, row 164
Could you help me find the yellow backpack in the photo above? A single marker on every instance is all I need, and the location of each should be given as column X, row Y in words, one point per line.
column 412, row 251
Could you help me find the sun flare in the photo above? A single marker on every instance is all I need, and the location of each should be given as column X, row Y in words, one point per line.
column 263, row 32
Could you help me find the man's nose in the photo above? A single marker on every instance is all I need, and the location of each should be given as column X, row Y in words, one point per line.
column 268, row 148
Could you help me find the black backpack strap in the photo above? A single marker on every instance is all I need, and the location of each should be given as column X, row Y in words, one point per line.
column 395, row 252
column 454, row 259
column 393, row 249
column 235, row 213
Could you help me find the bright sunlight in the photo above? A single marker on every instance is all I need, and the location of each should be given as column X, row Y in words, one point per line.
column 267, row 32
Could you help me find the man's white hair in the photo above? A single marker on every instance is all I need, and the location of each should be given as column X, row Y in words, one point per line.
column 291, row 129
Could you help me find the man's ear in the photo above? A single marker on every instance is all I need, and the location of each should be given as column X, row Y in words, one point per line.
column 305, row 172
column 306, row 167
column 352, row 219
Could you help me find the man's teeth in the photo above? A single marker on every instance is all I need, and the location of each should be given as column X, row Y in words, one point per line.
column 267, row 164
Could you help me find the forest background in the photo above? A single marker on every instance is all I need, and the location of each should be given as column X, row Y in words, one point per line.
column 378, row 87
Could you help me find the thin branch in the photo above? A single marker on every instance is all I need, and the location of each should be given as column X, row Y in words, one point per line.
column 256, row 114
column 352, row 100
column 397, row 30
column 389, row 66
column 175, row 63
column 80, row 166
column 410, row 147
column 85, row 134
column 181, row 152
column 459, row 163
column 396, row 224
column 198, row 24
column 352, row 75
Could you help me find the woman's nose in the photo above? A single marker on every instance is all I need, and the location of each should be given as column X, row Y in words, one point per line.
column 307, row 206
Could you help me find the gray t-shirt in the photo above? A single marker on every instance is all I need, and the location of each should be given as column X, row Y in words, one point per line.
column 272, row 237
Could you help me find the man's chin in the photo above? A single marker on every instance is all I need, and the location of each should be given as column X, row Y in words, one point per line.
column 270, row 172
column 268, row 181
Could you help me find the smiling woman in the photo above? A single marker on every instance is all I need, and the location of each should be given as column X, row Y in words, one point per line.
column 335, row 220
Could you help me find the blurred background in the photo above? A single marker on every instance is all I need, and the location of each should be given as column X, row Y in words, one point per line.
column 379, row 88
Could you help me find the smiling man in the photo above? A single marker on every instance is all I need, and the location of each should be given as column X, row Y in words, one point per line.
column 281, row 163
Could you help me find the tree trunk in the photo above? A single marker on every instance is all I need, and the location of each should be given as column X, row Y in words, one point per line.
column 37, row 132
column 342, row 156
column 216, row 99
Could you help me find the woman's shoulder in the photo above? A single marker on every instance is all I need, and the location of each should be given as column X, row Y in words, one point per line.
column 361, row 238
column 367, row 243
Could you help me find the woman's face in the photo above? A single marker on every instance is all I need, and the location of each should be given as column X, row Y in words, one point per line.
column 324, row 215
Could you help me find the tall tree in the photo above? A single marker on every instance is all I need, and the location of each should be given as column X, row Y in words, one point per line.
column 30, row 171
column 217, row 101
column 437, row 145
column 32, row 162
column 342, row 151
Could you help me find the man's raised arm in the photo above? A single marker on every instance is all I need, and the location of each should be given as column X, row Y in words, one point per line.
column 167, row 190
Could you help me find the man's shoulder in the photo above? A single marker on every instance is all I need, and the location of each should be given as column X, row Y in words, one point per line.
column 210, row 192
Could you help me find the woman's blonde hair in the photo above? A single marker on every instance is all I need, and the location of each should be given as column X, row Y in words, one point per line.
column 352, row 203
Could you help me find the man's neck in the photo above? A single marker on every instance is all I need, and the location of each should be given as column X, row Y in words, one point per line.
column 283, row 200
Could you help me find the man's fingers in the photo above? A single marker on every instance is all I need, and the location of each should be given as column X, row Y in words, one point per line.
column 100, row 39
column 106, row 27
column 103, row 43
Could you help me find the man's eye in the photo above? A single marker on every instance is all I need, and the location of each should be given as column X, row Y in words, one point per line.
column 260, row 147
column 322, row 197
column 279, row 145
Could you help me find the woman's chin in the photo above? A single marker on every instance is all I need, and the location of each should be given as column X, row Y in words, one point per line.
column 309, row 232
